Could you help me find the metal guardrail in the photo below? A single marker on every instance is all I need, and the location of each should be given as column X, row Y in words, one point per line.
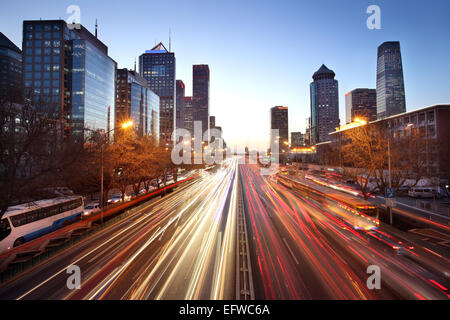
column 244, row 277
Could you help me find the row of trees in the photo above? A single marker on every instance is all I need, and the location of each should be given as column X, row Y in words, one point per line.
column 365, row 152
column 35, row 157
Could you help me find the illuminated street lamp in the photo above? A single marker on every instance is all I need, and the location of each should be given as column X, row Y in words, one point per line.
column 124, row 125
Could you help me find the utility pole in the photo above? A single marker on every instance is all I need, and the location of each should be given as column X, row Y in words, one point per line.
column 390, row 181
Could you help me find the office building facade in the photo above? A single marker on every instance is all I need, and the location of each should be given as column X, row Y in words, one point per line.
column 10, row 70
column 157, row 66
column 68, row 69
column 297, row 139
column 137, row 103
column 324, row 105
column 279, row 120
column 361, row 104
column 390, row 85
column 200, row 82
column 180, row 93
column 188, row 115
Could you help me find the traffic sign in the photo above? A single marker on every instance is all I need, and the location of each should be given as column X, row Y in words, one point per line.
column 390, row 193
column 390, row 202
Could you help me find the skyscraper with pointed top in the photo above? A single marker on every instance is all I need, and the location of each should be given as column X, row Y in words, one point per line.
column 157, row 66
column 324, row 105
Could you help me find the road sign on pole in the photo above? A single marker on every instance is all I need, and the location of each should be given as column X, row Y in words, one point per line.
column 390, row 193
column 390, row 202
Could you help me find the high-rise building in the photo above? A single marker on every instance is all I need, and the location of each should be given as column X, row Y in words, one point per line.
column 324, row 105
column 157, row 66
column 362, row 104
column 307, row 136
column 69, row 70
column 390, row 86
column 136, row 102
column 180, row 104
column 297, row 139
column 10, row 70
column 279, row 120
column 188, row 115
column 200, row 75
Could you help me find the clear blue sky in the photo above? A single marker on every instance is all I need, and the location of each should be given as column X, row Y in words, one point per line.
column 263, row 53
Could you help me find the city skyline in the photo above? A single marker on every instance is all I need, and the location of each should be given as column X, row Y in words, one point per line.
column 225, row 52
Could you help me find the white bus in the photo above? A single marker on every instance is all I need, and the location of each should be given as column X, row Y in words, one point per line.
column 31, row 220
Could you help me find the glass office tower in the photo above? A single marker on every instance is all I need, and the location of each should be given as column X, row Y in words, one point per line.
column 324, row 105
column 136, row 102
column 200, row 86
column 180, row 104
column 157, row 66
column 10, row 70
column 362, row 104
column 390, row 86
column 69, row 70
column 279, row 120
column 93, row 89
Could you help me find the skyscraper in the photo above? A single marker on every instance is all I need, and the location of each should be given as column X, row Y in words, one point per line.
column 361, row 103
column 10, row 70
column 324, row 105
column 69, row 70
column 157, row 66
column 135, row 102
column 188, row 115
column 279, row 120
column 180, row 104
column 390, row 86
column 200, row 74
column 297, row 139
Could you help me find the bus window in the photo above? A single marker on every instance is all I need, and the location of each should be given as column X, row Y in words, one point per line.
column 369, row 211
column 32, row 216
column 19, row 220
column 5, row 228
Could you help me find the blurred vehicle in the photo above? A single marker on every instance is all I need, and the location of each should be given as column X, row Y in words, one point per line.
column 28, row 221
column 63, row 191
column 359, row 213
column 424, row 192
column 115, row 198
column 400, row 247
column 91, row 209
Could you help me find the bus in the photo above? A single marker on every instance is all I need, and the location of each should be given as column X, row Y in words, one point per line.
column 28, row 221
column 359, row 213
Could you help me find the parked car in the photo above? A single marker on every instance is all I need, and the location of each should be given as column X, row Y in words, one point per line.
column 63, row 191
column 91, row 209
column 115, row 198
column 424, row 192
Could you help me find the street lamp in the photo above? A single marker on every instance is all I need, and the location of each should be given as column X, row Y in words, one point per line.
column 125, row 125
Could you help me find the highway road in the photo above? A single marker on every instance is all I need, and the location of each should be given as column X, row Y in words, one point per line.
column 302, row 251
column 185, row 246
column 179, row 247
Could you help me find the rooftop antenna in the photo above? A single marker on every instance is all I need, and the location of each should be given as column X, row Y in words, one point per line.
column 96, row 27
column 170, row 40
column 134, row 64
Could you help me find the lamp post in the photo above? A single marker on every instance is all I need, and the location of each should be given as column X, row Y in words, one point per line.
column 125, row 125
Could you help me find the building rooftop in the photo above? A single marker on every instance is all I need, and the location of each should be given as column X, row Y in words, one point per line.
column 5, row 42
column 159, row 48
column 323, row 73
